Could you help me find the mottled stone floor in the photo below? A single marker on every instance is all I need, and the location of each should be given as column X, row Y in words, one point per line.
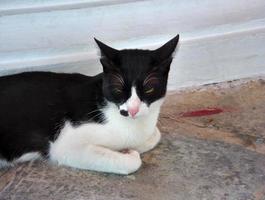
column 213, row 148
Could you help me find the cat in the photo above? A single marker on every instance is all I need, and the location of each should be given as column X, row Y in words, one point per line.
column 83, row 121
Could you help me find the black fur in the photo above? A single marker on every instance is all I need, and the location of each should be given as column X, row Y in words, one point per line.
column 35, row 105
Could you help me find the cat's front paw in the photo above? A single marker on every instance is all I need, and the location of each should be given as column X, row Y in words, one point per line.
column 132, row 162
column 151, row 142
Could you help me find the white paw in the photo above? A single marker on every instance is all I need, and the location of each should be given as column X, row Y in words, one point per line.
column 151, row 142
column 133, row 154
column 132, row 162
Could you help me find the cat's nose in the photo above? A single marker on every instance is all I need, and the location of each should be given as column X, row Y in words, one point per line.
column 133, row 111
column 134, row 106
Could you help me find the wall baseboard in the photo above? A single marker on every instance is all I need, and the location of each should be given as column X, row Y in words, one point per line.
column 214, row 46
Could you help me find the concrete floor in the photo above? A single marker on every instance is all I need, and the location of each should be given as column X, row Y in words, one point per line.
column 213, row 148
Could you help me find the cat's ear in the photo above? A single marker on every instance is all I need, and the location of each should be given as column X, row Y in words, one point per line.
column 109, row 56
column 108, row 65
column 165, row 52
column 107, row 51
column 163, row 56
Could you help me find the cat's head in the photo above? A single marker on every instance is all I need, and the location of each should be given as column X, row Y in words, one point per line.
column 135, row 79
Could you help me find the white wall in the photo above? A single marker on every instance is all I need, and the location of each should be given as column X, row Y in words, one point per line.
column 220, row 39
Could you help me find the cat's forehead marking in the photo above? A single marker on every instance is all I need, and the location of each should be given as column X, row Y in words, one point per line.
column 133, row 98
column 132, row 105
column 133, row 93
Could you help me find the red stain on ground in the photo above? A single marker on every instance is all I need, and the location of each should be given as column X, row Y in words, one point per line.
column 203, row 112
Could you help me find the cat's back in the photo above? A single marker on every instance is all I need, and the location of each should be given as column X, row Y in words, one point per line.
column 37, row 84
column 42, row 78
column 30, row 95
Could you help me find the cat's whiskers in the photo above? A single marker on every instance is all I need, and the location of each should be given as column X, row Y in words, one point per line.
column 93, row 111
column 95, row 116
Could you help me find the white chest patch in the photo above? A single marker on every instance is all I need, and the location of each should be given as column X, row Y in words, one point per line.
column 130, row 131
column 117, row 133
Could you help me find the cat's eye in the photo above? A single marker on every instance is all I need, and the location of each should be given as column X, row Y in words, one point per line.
column 117, row 91
column 149, row 91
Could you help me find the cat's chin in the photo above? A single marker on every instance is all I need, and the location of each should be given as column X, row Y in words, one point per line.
column 135, row 117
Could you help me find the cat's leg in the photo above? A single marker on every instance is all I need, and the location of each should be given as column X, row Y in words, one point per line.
column 71, row 152
column 150, row 143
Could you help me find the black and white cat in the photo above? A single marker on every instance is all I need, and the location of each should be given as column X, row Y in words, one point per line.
column 86, row 122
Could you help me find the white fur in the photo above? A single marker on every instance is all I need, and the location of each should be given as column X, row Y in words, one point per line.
column 28, row 157
column 151, row 142
column 96, row 146
column 4, row 163
column 24, row 158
